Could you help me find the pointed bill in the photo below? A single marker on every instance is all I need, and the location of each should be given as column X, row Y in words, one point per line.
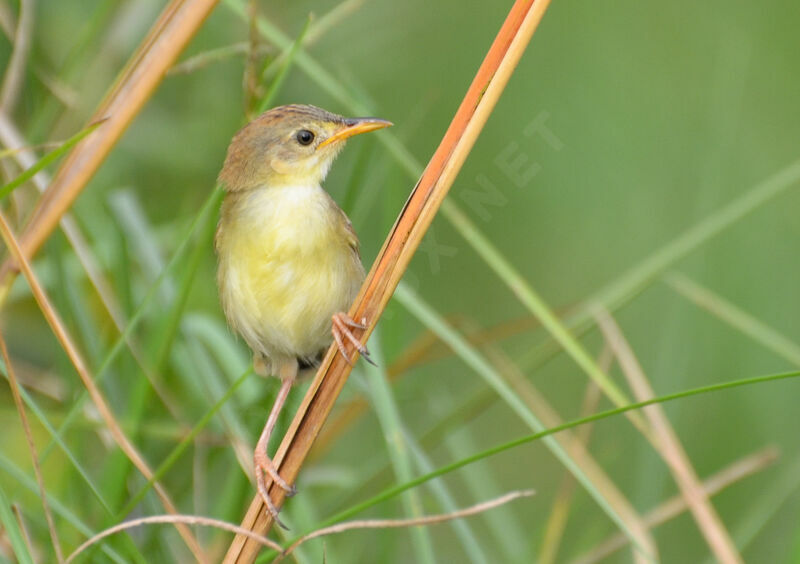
column 356, row 126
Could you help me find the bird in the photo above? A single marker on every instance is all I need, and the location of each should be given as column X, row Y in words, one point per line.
column 289, row 264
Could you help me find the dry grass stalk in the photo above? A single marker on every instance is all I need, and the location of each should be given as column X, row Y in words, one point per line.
column 26, row 158
column 251, row 84
column 171, row 519
column 575, row 446
column 60, row 332
column 7, row 20
column 37, row 470
column 669, row 446
column 177, row 24
column 559, row 515
column 676, row 505
column 425, row 349
column 734, row 316
column 317, row 29
column 428, row 348
column 393, row 259
column 414, row 522
column 332, row 530
column 45, row 383
column 6, row 547
column 15, row 71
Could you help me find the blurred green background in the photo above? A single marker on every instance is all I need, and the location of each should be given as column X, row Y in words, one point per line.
column 657, row 115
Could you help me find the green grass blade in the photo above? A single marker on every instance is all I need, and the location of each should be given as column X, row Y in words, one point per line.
column 75, row 60
column 283, row 71
column 380, row 396
column 737, row 318
column 14, row 534
column 422, row 311
column 510, row 538
column 42, row 418
column 713, row 388
column 614, row 294
column 182, row 446
column 46, row 160
column 203, row 215
column 126, row 209
column 531, row 300
column 446, row 500
column 638, row 277
column 413, row 168
column 57, row 506
column 170, row 322
column 643, row 274
column 283, row 41
column 772, row 499
column 213, row 339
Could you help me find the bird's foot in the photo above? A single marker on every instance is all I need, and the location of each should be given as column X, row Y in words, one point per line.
column 342, row 323
column 265, row 467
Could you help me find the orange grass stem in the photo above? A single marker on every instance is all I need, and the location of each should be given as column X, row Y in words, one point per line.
column 104, row 409
column 145, row 70
column 393, row 259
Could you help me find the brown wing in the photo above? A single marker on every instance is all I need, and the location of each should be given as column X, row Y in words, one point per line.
column 347, row 226
column 217, row 236
column 352, row 238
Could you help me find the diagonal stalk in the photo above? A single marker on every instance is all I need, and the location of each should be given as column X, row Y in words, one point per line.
column 397, row 251
column 145, row 70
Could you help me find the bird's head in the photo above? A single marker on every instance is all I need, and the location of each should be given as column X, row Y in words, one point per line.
column 289, row 145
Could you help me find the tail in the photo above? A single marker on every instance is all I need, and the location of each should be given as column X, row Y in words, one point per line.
column 287, row 370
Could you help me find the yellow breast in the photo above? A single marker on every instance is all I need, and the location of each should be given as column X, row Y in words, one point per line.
column 287, row 262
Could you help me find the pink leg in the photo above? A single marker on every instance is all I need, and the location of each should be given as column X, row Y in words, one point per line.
column 263, row 463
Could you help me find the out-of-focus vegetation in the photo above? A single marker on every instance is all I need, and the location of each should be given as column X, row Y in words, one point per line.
column 626, row 126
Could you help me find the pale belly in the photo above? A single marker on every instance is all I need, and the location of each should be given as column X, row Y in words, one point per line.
column 282, row 280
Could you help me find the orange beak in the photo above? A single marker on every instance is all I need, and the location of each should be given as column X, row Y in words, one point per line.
column 355, row 126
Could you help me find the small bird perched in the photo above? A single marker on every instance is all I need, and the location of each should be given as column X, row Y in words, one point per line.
column 289, row 264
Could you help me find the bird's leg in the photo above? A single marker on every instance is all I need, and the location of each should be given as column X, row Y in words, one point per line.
column 342, row 323
column 262, row 459
column 263, row 463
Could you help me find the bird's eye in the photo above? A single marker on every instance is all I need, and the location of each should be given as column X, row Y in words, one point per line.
column 305, row 137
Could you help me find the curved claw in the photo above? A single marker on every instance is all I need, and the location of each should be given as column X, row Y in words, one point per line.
column 365, row 355
column 263, row 463
column 341, row 331
column 271, row 508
